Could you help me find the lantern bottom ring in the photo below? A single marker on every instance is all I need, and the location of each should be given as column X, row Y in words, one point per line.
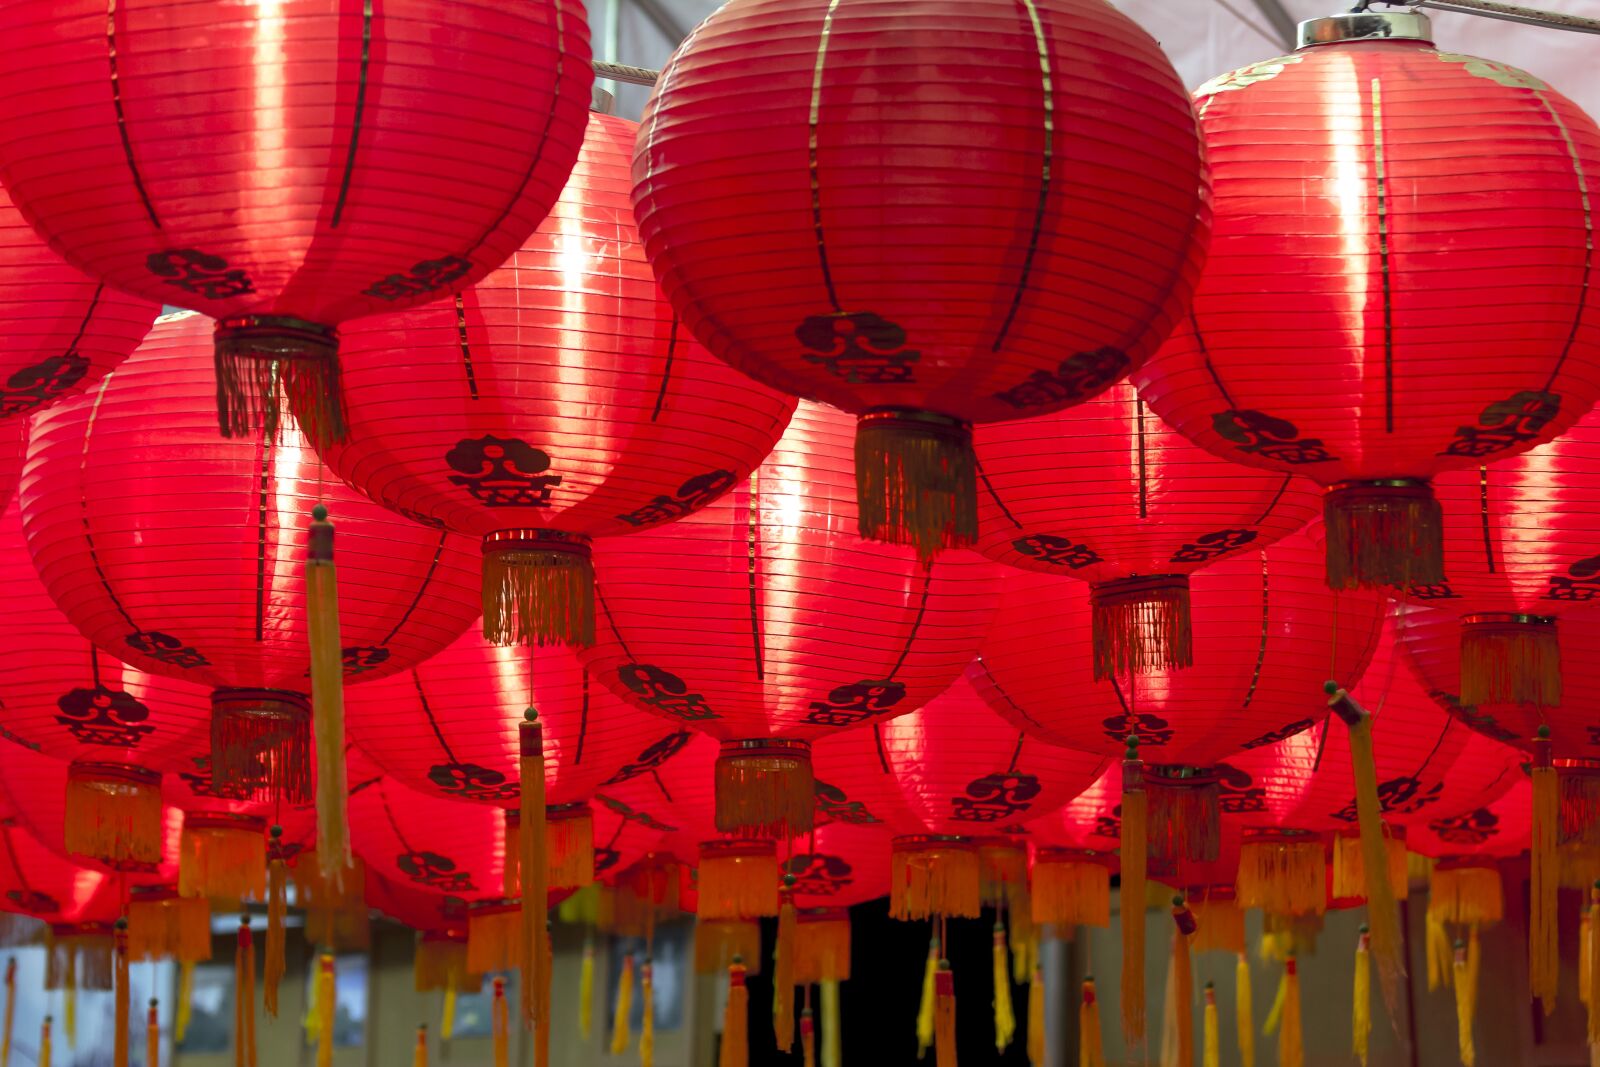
column 266, row 361
column 1510, row 658
column 916, row 480
column 261, row 744
column 765, row 787
column 1383, row 533
column 538, row 588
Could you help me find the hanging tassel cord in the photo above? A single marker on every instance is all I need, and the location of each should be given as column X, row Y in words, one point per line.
column 1005, row 1017
column 1135, row 823
column 325, row 1005
column 735, row 1050
column 586, row 989
column 808, row 1034
column 44, row 1041
column 1211, row 1054
column 1544, row 876
column 1037, row 1038
column 1466, row 997
column 245, row 995
column 1181, row 982
column 944, row 1016
column 327, row 698
column 121, row 1023
column 1593, row 969
column 1361, row 1000
column 925, row 1008
column 783, row 967
column 1244, row 1011
column 277, row 914
column 535, row 871
column 620, row 1020
column 419, row 1057
column 1090, row 1050
column 11, row 1011
column 500, row 1016
column 152, row 1034
column 1291, row 1040
column 647, row 1029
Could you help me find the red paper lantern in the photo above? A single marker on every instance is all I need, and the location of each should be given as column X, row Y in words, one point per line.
column 1109, row 494
column 430, row 845
column 1495, row 831
column 766, row 622
column 555, row 401
column 286, row 168
column 40, row 884
column 939, row 215
column 13, row 447
column 182, row 554
column 1420, row 343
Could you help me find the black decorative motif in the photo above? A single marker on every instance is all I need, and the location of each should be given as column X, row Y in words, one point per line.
column 995, row 797
column 167, row 649
column 1400, row 796
column 199, row 272
column 1056, row 551
column 835, row 805
column 630, row 814
column 1237, row 793
column 15, row 740
column 359, row 659
column 1258, row 433
column 502, row 472
column 200, row 782
column 1473, row 828
column 102, row 716
column 1594, row 735
column 1209, row 546
column 1078, row 376
column 849, row 704
column 429, row 276
column 1484, row 724
column 41, row 383
column 469, row 781
column 818, row 874
column 605, row 859
column 435, row 871
column 1153, row 730
column 652, row 757
column 416, row 516
column 692, row 495
column 1505, row 424
column 1581, row 582
column 861, row 347
column 1436, row 591
column 1272, row 737
column 665, row 692
column 33, row 902
column 1109, row 825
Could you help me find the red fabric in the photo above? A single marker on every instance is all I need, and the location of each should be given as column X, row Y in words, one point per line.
column 37, row 882
column 568, row 350
column 1399, row 276
column 1432, row 644
column 66, row 697
column 1267, row 634
column 184, row 553
column 63, row 330
column 449, row 726
column 969, row 207
column 1500, row 830
column 1108, row 490
column 953, row 767
column 302, row 158
column 766, row 615
column 426, row 844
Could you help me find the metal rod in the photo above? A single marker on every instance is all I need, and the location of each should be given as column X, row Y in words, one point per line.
column 621, row 72
column 1494, row 9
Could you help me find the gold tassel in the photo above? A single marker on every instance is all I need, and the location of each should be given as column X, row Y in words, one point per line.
column 1438, row 950
column 764, row 788
column 277, row 911
column 735, row 1051
column 1383, row 916
column 327, row 697
column 1585, row 956
column 500, row 1015
column 222, row 857
column 244, row 996
column 783, row 968
column 324, row 1008
column 494, row 937
column 1350, row 868
column 44, row 1043
column 1036, row 1024
column 11, row 1011
column 832, row 1041
column 944, row 1016
column 1544, row 877
column 447, row 1014
column 808, row 1039
column 1244, row 1012
column 1380, row 534
column 916, row 480
column 335, row 909
column 738, row 879
column 419, row 1058
column 1291, row 1043
column 1090, row 1052
column 152, row 1035
column 1466, row 1005
column 538, row 588
column 1071, row 888
column 1593, row 966
column 1211, row 1055
column 1466, row 895
column 925, row 1008
column 1135, row 815
column 114, row 814
column 69, row 1007
column 586, row 990
column 1279, row 999
column 184, row 1012
column 569, row 847
column 1005, row 1017
column 1510, row 659
column 822, row 947
column 535, row 936
column 619, row 1021
column 1282, row 873
column 1220, row 921
column 120, row 1022
column 163, row 925
column 647, row 1030
column 717, row 941
column 1180, row 990
column 1141, row 625
column 271, row 365
column 934, row 876
column 1361, row 1004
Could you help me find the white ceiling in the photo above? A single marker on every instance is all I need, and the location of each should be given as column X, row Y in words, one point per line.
column 1203, row 37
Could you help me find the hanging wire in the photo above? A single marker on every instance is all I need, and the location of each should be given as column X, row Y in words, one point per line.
column 1496, row 9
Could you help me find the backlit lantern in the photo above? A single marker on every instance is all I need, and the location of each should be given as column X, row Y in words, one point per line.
column 192, row 557
column 937, row 217
column 1107, row 493
column 286, row 167
column 449, row 728
column 1420, row 343
column 556, row 400
column 765, row 621
column 118, row 727
column 41, row 884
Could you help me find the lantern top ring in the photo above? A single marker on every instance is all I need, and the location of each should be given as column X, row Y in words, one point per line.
column 1365, row 26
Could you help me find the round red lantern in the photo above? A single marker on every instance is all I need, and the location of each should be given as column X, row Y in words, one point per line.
column 939, row 216
column 288, row 167
column 556, row 400
column 40, row 884
column 182, row 554
column 765, row 621
column 1109, row 494
column 1420, row 344
column 1495, row 831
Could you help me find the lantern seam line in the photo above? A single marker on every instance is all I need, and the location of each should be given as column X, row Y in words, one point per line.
column 383, row 798
column 605, row 610
column 88, row 316
column 1380, row 179
column 916, row 624
column 1048, row 105
column 1266, row 626
column 83, row 504
column 466, row 350
column 995, row 682
column 261, row 540
column 666, row 372
column 11, row 854
column 1588, row 233
column 355, row 122
column 814, row 117
column 752, row 535
column 583, row 715
column 1483, row 502
column 122, row 120
column 1144, row 491
column 877, row 739
column 427, row 579
column 427, row 709
column 1276, row 499
column 1443, row 733
column 987, row 484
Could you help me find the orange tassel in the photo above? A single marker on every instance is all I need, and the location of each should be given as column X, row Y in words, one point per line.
column 327, row 697
column 500, row 1015
column 535, row 871
column 735, row 1050
column 326, row 1009
column 1135, row 816
column 120, row 1021
column 419, row 1057
column 244, row 997
column 152, row 1036
column 277, row 913
column 944, row 1016
column 808, row 1039
column 783, row 968
column 1544, row 877
column 1090, row 1053
column 11, row 1011
column 44, row 1043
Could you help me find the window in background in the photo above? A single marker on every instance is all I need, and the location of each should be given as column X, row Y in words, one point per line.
column 474, row 1016
column 211, row 1010
column 669, row 970
column 350, row 978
